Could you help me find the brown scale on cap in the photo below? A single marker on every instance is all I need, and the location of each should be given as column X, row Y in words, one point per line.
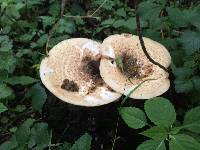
column 132, row 68
column 90, row 69
column 69, row 85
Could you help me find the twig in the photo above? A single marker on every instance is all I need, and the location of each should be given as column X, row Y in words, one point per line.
column 81, row 17
column 116, row 130
column 51, row 31
column 99, row 8
column 63, row 3
column 139, row 31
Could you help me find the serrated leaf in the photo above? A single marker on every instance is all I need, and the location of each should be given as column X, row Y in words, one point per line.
column 47, row 21
column 120, row 12
column 2, row 108
column 192, row 120
column 160, row 111
column 5, row 91
column 156, row 133
column 23, row 132
column 107, row 22
column 56, row 40
column 7, row 62
column 183, row 73
column 133, row 117
column 9, row 144
column 23, row 80
column 39, row 136
column 20, row 108
column 149, row 11
column 66, row 26
column 83, row 143
column 5, row 44
column 183, row 86
column 190, row 41
column 152, row 145
column 38, row 96
column 176, row 17
column 183, row 142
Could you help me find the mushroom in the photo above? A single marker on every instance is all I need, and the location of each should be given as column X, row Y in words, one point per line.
column 71, row 73
column 124, row 66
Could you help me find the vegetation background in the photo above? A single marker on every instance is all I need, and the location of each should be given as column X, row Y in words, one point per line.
column 31, row 118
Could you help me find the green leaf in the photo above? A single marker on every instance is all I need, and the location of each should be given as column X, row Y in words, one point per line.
column 5, row 44
column 176, row 17
column 83, row 143
column 133, row 117
column 23, row 80
column 38, row 96
column 152, row 145
column 160, row 111
column 190, row 41
column 156, row 133
column 39, row 136
column 2, row 108
column 66, row 26
column 183, row 142
column 176, row 130
column 192, row 120
column 47, row 21
column 9, row 144
column 119, row 62
column 5, row 91
column 107, row 22
column 149, row 11
column 120, row 12
column 7, row 62
column 20, row 108
column 23, row 132
column 183, row 86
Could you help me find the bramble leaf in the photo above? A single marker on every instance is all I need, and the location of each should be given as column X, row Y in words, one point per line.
column 83, row 143
column 183, row 142
column 133, row 117
column 192, row 120
column 156, row 133
column 160, row 111
column 152, row 145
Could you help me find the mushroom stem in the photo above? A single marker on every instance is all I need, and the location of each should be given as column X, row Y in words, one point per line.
column 139, row 32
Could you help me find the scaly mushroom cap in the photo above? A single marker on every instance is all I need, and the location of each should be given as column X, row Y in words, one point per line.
column 135, row 66
column 71, row 73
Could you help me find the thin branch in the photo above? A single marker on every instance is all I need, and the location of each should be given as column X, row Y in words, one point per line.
column 51, row 31
column 116, row 130
column 81, row 17
column 139, row 31
column 99, row 8
column 63, row 3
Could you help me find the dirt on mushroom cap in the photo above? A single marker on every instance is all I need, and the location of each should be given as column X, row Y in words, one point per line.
column 129, row 44
column 76, row 61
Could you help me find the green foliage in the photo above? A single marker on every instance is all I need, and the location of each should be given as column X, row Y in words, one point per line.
column 83, row 143
column 2, row 108
column 192, row 120
column 152, row 145
column 38, row 96
column 161, row 112
column 183, row 142
column 134, row 117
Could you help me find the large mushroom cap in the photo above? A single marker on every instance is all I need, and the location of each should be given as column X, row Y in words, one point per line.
column 135, row 66
column 71, row 73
